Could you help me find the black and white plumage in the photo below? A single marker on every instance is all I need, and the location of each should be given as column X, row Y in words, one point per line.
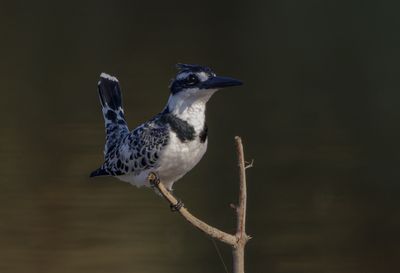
column 172, row 142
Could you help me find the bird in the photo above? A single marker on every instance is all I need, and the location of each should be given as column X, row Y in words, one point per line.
column 172, row 142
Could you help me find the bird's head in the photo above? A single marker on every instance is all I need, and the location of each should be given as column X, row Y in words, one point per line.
column 195, row 82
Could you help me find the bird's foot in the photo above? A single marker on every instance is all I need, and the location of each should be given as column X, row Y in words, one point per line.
column 153, row 179
column 177, row 206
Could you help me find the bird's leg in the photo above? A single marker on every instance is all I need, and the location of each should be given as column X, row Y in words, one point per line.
column 177, row 206
column 154, row 182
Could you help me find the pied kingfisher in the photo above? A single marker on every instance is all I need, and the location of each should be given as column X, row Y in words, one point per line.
column 172, row 142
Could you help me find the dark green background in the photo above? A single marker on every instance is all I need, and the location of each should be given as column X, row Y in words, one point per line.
column 319, row 113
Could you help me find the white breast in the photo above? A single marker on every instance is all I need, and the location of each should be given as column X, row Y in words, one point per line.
column 175, row 161
column 178, row 158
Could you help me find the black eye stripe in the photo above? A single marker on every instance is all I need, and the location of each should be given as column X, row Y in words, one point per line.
column 186, row 71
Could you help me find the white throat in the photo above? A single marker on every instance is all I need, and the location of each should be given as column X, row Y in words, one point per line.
column 190, row 106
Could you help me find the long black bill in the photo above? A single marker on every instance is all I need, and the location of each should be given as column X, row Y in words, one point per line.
column 220, row 82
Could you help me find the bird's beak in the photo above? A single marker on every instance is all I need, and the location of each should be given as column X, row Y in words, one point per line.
column 219, row 82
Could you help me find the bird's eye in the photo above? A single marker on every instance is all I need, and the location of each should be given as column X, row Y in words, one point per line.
column 192, row 79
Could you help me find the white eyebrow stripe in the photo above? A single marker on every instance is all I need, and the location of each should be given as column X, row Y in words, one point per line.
column 182, row 75
column 202, row 76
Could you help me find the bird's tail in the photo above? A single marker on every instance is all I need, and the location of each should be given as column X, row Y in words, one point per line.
column 116, row 127
column 98, row 172
column 111, row 102
column 111, row 99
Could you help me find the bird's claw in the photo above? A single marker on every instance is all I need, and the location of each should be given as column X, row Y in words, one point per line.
column 153, row 179
column 177, row 206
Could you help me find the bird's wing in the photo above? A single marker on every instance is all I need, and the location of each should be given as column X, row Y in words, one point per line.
column 139, row 150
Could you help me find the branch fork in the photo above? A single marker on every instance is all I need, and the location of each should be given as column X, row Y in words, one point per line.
column 238, row 240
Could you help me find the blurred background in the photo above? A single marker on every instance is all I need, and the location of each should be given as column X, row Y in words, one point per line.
column 319, row 113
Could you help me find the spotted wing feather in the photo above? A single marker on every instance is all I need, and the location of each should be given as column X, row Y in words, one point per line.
column 137, row 151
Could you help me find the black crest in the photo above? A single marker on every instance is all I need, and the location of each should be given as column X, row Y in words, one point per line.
column 193, row 68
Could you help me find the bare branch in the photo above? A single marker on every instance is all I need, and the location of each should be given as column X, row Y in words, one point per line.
column 207, row 229
column 241, row 213
column 238, row 250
